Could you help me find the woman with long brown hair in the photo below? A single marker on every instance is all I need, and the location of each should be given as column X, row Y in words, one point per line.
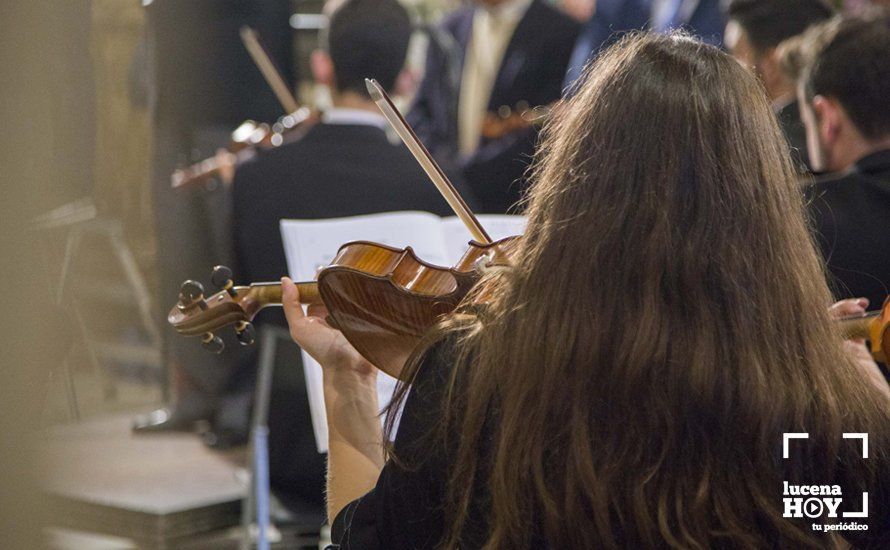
column 629, row 383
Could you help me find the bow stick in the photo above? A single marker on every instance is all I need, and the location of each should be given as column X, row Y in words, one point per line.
column 426, row 160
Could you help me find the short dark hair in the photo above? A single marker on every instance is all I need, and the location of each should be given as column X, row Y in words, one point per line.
column 852, row 64
column 367, row 39
column 769, row 22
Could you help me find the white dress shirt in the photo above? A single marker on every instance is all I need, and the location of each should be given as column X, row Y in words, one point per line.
column 492, row 29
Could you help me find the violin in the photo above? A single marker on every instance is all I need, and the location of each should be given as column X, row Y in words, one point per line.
column 874, row 326
column 251, row 137
column 382, row 299
column 246, row 142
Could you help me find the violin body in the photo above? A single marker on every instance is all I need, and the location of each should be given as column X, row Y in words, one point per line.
column 385, row 299
column 382, row 299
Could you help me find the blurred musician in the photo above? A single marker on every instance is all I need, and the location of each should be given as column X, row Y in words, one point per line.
column 511, row 55
column 844, row 93
column 345, row 165
column 755, row 30
column 612, row 18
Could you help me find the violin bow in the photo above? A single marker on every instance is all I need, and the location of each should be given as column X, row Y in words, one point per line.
column 426, row 160
column 267, row 67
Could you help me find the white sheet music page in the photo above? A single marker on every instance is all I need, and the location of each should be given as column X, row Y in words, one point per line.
column 312, row 244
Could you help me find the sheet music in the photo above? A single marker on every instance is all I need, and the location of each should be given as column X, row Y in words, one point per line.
column 312, row 244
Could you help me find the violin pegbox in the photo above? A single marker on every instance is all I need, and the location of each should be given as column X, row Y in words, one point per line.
column 194, row 314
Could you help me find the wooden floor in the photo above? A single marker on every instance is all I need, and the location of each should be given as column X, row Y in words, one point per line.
column 157, row 490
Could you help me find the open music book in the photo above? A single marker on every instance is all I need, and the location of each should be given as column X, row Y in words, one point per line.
column 311, row 244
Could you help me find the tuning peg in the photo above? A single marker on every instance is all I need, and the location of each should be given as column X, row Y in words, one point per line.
column 246, row 333
column 222, row 279
column 213, row 344
column 191, row 292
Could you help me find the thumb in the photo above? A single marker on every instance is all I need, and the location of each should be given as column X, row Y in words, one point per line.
column 290, row 300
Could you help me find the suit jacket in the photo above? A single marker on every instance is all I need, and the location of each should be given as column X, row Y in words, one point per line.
column 851, row 216
column 532, row 71
column 614, row 18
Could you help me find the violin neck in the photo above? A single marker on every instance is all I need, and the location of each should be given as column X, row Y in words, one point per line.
column 208, row 168
column 857, row 327
column 269, row 294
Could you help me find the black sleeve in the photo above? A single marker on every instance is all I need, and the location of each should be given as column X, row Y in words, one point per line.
column 877, row 534
column 404, row 510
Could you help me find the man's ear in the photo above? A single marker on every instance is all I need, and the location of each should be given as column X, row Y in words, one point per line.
column 828, row 118
column 322, row 68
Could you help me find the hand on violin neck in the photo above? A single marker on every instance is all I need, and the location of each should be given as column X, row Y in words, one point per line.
column 324, row 343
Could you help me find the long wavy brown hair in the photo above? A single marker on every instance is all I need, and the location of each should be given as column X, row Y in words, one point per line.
column 665, row 322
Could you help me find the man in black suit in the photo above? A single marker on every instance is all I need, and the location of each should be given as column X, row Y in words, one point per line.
column 491, row 60
column 844, row 92
column 754, row 31
column 345, row 165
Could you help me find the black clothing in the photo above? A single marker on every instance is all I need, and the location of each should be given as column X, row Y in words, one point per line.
column 851, row 216
column 405, row 508
column 333, row 171
column 796, row 134
column 531, row 73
